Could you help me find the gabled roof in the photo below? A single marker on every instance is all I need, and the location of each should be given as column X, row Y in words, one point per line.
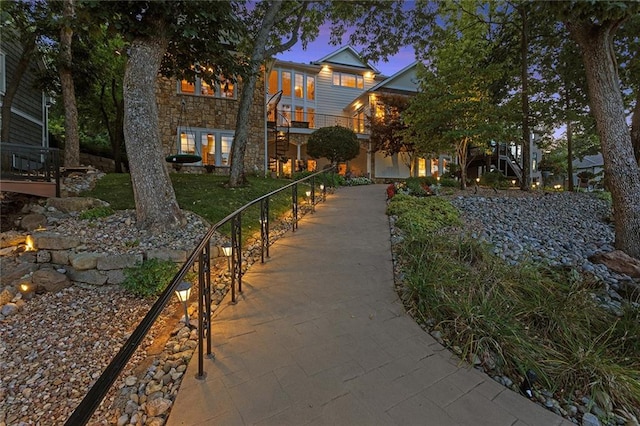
column 404, row 80
column 589, row 161
column 346, row 56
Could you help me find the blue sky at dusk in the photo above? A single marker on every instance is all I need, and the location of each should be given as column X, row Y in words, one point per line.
column 321, row 48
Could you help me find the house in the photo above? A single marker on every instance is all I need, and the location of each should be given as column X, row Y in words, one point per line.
column 589, row 164
column 338, row 89
column 290, row 103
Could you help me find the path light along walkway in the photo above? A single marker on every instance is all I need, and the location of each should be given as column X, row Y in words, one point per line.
column 319, row 336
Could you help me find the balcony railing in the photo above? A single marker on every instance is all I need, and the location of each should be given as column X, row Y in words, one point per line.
column 201, row 256
column 314, row 121
column 27, row 163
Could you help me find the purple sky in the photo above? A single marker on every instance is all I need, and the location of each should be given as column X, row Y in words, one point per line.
column 321, row 47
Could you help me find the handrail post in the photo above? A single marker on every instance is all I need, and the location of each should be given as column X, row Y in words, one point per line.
column 264, row 228
column 236, row 255
column 313, row 194
column 294, row 206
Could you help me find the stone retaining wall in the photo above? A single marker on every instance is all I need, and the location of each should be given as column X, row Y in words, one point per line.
column 66, row 263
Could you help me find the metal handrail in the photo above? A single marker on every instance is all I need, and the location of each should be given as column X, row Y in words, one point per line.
column 33, row 163
column 83, row 412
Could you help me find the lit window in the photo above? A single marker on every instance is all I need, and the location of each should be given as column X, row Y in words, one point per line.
column 273, row 82
column 299, row 86
column 226, row 89
column 214, row 146
column 186, row 87
column 311, row 117
column 286, row 83
column 299, row 113
column 348, row 80
column 311, row 88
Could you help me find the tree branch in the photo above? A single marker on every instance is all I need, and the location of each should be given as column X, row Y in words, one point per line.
column 294, row 33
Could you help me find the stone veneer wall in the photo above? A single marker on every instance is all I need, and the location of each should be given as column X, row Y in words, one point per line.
column 211, row 113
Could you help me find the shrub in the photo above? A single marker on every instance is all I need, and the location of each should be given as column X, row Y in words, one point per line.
column 420, row 216
column 336, row 144
column 495, row 179
column 150, row 278
column 358, row 181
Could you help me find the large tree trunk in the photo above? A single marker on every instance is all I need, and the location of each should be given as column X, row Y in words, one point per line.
column 156, row 205
column 621, row 167
column 12, row 88
column 237, row 173
column 72, row 139
column 461, row 151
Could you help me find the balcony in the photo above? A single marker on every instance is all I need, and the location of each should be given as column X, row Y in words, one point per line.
column 315, row 121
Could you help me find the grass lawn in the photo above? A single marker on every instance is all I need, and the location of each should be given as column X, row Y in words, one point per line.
column 205, row 195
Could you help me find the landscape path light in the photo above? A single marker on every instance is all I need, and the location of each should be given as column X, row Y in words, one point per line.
column 183, row 291
column 227, row 251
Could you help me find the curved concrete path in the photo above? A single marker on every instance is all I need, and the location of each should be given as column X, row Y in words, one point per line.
column 320, row 337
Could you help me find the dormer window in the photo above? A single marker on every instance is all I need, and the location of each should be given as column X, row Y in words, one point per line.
column 348, row 80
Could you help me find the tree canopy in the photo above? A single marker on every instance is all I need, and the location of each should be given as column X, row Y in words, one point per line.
column 337, row 144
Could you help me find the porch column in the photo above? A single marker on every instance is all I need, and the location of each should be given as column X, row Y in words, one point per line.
column 298, row 145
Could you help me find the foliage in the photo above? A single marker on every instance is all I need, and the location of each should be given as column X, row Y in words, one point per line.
column 495, row 179
column 516, row 319
column 386, row 125
column 360, row 180
column 455, row 107
column 336, row 144
column 420, row 216
column 150, row 278
column 96, row 213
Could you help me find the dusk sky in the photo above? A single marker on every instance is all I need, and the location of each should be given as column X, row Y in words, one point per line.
column 321, row 47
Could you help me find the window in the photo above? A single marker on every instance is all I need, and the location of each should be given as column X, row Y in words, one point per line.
column 311, row 117
column 286, row 83
column 311, row 88
column 214, row 146
column 348, row 80
column 358, row 121
column 534, row 162
column 273, row 82
column 224, row 89
column 299, row 87
column 299, row 113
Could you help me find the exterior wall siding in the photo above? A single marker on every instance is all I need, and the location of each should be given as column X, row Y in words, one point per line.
column 28, row 117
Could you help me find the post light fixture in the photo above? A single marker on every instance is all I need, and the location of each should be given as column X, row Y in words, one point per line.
column 513, row 182
column 438, row 179
column 227, row 250
column 477, row 180
column 183, row 291
column 308, row 194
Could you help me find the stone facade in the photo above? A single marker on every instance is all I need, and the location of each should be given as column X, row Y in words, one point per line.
column 210, row 113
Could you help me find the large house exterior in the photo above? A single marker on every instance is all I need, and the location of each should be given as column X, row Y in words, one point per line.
column 338, row 89
column 291, row 101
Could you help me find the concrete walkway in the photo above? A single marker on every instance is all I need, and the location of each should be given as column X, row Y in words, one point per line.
column 320, row 337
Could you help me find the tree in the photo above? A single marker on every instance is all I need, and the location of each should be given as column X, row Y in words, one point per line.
column 337, row 144
column 455, row 107
column 196, row 41
column 65, row 69
column 387, row 127
column 593, row 27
